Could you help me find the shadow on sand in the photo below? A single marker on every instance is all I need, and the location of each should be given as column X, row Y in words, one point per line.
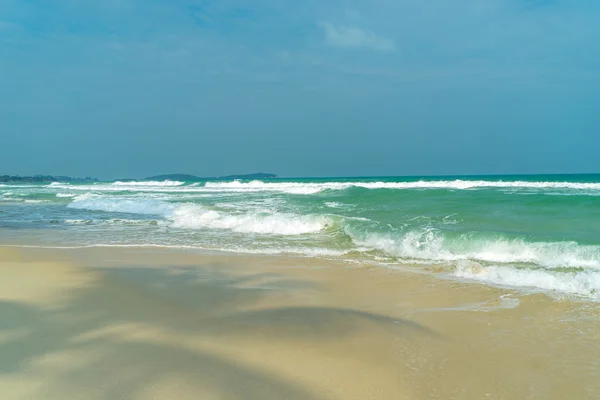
column 202, row 302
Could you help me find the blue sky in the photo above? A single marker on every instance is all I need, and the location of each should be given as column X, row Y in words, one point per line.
column 119, row 88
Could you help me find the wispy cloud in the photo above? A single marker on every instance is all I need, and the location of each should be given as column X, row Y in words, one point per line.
column 351, row 37
column 531, row 4
column 8, row 26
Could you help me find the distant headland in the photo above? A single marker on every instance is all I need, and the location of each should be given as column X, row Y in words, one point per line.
column 168, row 177
column 193, row 178
column 43, row 179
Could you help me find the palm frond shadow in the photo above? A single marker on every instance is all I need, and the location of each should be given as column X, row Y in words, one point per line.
column 200, row 301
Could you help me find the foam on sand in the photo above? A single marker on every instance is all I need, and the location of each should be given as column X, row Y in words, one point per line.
column 432, row 245
column 582, row 283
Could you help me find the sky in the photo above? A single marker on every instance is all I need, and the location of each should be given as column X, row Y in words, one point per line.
column 133, row 88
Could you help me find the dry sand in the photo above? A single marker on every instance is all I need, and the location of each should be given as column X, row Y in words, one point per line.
column 157, row 324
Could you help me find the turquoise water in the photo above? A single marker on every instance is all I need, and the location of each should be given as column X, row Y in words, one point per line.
column 530, row 232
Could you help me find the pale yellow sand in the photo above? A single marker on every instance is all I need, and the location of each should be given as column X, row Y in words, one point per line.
column 149, row 324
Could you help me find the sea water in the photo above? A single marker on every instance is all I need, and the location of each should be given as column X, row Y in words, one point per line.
column 528, row 232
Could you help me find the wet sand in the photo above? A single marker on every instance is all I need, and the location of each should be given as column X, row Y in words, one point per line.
column 113, row 323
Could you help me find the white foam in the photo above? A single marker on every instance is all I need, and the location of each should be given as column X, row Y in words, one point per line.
column 302, row 251
column 165, row 183
column 259, row 186
column 102, row 245
column 432, row 245
column 458, row 184
column 144, row 187
column 149, row 207
column 503, row 302
column 59, row 185
column 584, row 283
column 78, row 221
column 311, row 188
column 308, row 252
column 86, row 196
column 113, row 221
column 65, row 195
column 335, row 204
column 193, row 216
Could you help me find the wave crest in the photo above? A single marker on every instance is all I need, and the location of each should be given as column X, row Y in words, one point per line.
column 259, row 186
column 165, row 183
column 432, row 245
column 583, row 283
column 458, row 184
column 146, row 207
column 193, row 216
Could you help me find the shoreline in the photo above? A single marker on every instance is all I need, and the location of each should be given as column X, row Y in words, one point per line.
column 433, row 269
column 144, row 323
column 471, row 230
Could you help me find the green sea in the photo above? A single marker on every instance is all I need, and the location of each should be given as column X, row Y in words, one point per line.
column 533, row 233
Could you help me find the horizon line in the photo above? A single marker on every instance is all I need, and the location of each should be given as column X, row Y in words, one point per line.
column 323, row 177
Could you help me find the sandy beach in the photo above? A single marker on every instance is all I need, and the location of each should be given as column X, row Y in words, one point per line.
column 114, row 323
column 301, row 200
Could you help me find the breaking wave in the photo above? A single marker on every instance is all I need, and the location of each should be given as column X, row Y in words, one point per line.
column 130, row 206
column 312, row 188
column 458, row 184
column 432, row 245
column 582, row 283
column 113, row 221
column 565, row 267
column 259, row 186
column 193, row 216
column 541, row 242
column 149, row 183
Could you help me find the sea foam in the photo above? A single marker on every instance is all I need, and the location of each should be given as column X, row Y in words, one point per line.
column 583, row 283
column 458, row 184
column 194, row 216
column 165, row 183
column 259, row 186
column 131, row 206
column 312, row 188
column 432, row 245
column 565, row 267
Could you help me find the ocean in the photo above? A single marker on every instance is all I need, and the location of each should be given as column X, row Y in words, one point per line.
column 531, row 233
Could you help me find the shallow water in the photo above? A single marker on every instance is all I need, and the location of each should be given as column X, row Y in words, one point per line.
column 530, row 232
